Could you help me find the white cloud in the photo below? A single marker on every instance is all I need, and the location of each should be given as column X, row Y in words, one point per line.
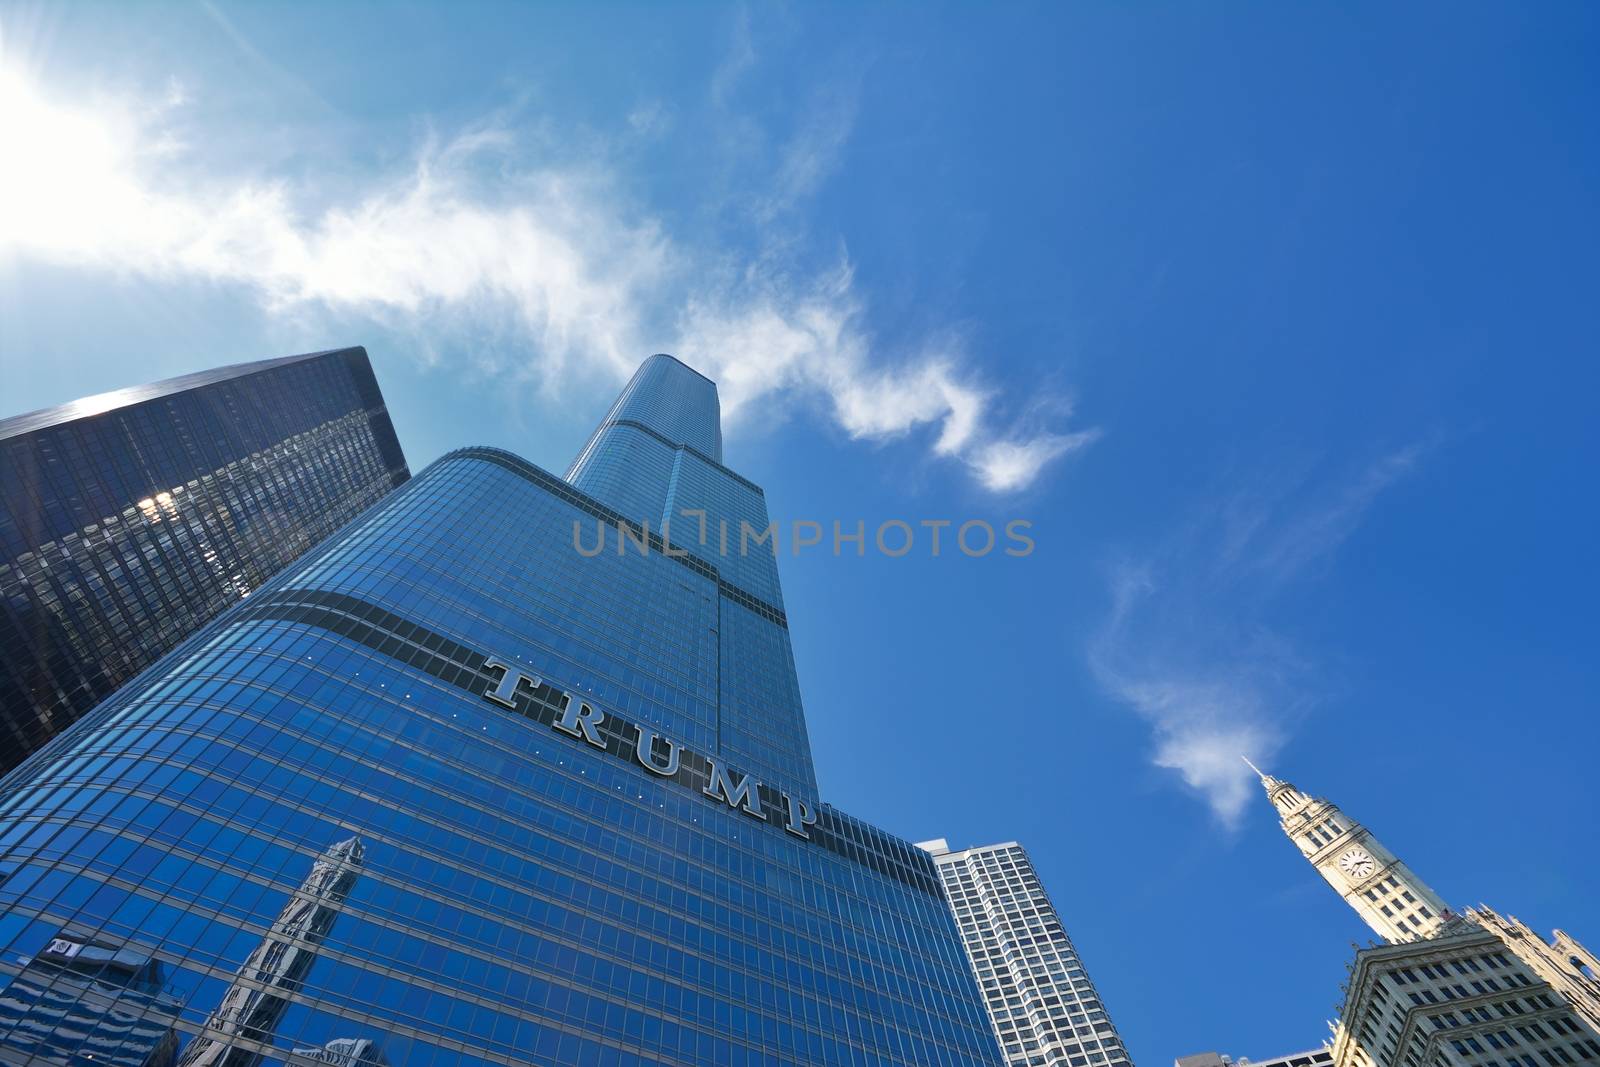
column 1186, row 646
column 1007, row 465
column 469, row 232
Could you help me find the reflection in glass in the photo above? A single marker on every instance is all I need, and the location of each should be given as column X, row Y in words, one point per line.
column 346, row 1052
column 85, row 999
column 258, row 996
column 542, row 902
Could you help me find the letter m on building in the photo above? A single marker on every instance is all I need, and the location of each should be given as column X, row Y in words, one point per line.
column 745, row 792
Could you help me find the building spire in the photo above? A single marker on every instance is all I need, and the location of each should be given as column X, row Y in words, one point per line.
column 1268, row 782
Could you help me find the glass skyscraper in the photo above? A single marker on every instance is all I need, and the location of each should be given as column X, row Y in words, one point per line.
column 129, row 519
column 1046, row 1011
column 656, row 459
column 458, row 788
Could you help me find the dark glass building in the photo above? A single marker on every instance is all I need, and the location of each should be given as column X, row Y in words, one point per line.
column 129, row 519
column 458, row 788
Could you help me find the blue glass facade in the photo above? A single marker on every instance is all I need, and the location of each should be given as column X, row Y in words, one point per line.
column 656, row 460
column 450, row 791
column 128, row 520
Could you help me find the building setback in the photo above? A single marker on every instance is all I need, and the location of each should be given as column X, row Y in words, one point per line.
column 448, row 791
column 1044, row 1009
column 130, row 519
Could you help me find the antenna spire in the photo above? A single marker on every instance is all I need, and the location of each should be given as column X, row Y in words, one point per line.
column 1253, row 767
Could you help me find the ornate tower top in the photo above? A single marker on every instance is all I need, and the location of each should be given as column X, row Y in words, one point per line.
column 1284, row 796
column 1387, row 895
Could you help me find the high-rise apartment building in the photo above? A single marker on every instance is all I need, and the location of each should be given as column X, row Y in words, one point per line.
column 1468, row 988
column 1044, row 1008
column 452, row 789
column 129, row 519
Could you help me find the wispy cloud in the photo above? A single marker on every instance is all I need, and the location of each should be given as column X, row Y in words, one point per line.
column 1187, row 645
column 562, row 255
column 736, row 62
column 813, row 153
column 762, row 340
column 651, row 118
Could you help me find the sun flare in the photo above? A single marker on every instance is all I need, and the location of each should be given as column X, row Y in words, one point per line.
column 66, row 172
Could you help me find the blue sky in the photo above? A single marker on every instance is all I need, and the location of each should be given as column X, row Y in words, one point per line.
column 1276, row 321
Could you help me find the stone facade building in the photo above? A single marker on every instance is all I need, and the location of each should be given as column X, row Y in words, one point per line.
column 1448, row 988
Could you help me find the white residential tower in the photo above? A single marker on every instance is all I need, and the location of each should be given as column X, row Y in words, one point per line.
column 1045, row 1010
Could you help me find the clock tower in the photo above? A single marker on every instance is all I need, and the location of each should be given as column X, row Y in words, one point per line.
column 1460, row 979
column 1372, row 880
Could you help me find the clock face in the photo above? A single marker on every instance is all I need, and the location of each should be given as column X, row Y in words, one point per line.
column 1357, row 864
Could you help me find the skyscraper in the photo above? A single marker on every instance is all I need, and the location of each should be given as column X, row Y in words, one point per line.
column 129, row 519
column 568, row 797
column 656, row 459
column 1044, row 1008
column 1468, row 988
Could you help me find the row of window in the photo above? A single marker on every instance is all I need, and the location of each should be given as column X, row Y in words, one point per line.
column 1042, row 1004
